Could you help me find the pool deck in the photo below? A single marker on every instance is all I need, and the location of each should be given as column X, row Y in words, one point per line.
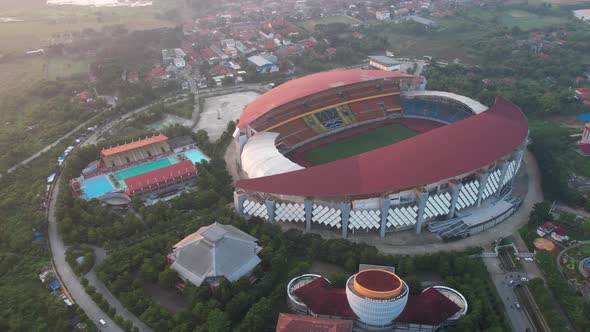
column 116, row 179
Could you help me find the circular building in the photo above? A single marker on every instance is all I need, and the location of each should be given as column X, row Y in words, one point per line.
column 377, row 297
column 294, row 302
column 364, row 150
column 454, row 296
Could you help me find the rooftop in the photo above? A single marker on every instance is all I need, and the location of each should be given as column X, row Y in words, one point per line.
column 377, row 284
column 183, row 168
column 429, row 308
column 133, row 145
column 180, row 142
column 216, row 250
column 384, row 60
column 436, row 155
column 309, row 85
column 297, row 323
column 323, row 299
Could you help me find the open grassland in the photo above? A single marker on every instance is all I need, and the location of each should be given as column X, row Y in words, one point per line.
column 459, row 33
column 527, row 21
column 61, row 67
column 19, row 74
column 42, row 22
column 38, row 27
column 309, row 25
column 357, row 144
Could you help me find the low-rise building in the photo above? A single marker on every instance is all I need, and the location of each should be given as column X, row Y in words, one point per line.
column 169, row 56
column 584, row 143
column 384, row 63
column 214, row 253
column 296, row 323
column 545, row 229
column 262, row 64
column 559, row 235
column 424, row 21
column 382, row 15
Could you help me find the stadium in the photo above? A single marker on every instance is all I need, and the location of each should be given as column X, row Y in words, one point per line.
column 372, row 151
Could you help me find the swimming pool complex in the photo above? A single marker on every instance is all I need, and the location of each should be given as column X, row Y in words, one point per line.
column 96, row 186
column 195, row 156
column 99, row 185
column 144, row 168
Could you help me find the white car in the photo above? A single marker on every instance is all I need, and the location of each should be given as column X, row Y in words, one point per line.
column 102, row 322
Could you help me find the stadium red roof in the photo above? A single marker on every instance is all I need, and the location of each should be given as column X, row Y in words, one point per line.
column 438, row 154
column 133, row 145
column 183, row 168
column 428, row 308
column 323, row 299
column 308, row 85
column 296, row 323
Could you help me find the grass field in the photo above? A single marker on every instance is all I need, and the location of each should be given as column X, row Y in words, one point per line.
column 351, row 146
column 41, row 21
column 309, row 25
column 60, row 67
column 526, row 20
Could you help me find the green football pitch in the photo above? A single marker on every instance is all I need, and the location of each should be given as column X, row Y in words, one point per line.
column 354, row 145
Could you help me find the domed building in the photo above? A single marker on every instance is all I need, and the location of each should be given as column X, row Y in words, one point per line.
column 376, row 299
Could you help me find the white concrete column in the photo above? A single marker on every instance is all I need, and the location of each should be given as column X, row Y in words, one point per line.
column 455, row 188
column 308, row 205
column 483, row 181
column 503, row 171
column 239, row 199
column 345, row 209
column 270, row 210
column 384, row 204
column 422, row 200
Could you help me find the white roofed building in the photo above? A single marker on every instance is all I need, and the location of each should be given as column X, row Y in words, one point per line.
column 213, row 253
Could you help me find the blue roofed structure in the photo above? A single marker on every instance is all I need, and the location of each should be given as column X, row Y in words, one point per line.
column 584, row 117
column 54, row 285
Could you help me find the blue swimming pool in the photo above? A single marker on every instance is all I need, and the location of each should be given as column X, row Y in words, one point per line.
column 96, row 186
column 195, row 156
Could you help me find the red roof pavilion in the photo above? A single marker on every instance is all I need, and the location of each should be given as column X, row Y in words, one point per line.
column 133, row 145
column 323, row 299
column 296, row 323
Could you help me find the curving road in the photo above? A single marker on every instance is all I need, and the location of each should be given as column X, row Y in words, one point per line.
column 68, row 278
column 108, row 296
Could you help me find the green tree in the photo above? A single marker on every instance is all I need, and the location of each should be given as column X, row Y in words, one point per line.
column 217, row 321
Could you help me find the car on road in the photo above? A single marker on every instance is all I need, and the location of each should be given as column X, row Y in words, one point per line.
column 517, row 305
column 102, row 322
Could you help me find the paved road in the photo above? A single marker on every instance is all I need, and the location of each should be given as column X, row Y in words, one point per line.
column 517, row 317
column 578, row 212
column 93, row 139
column 108, row 296
column 67, row 275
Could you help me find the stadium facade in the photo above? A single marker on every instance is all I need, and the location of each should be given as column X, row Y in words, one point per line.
column 454, row 177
